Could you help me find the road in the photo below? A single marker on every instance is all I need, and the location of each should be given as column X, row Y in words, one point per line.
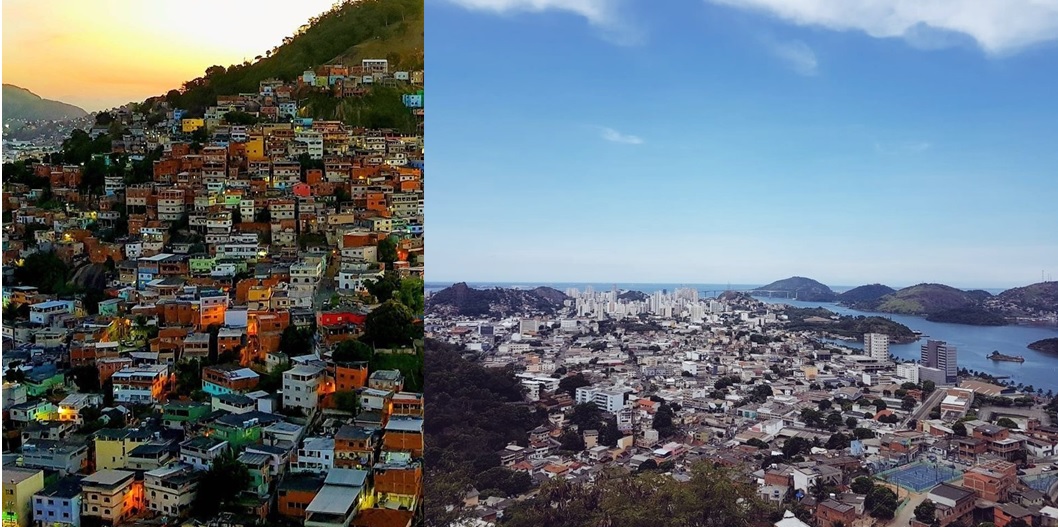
column 923, row 410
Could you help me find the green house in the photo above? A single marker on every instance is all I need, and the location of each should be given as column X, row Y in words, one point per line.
column 39, row 381
column 176, row 413
column 201, row 264
column 244, row 429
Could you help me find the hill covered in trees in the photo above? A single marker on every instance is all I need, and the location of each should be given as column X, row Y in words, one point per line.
column 349, row 32
column 461, row 299
column 474, row 413
column 864, row 294
column 819, row 319
column 802, row 288
column 22, row 104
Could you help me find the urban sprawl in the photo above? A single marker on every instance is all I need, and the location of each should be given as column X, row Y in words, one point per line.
column 214, row 318
column 830, row 435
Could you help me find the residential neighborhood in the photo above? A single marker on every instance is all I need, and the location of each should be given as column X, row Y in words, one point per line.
column 213, row 316
column 828, row 434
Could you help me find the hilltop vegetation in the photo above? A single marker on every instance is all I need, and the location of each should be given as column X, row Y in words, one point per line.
column 1041, row 297
column 802, row 288
column 864, row 294
column 461, row 299
column 392, row 29
column 923, row 299
column 475, row 413
column 974, row 316
column 1045, row 346
column 808, row 319
column 22, row 104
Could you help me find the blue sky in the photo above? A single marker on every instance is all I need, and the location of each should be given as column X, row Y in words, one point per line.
column 742, row 141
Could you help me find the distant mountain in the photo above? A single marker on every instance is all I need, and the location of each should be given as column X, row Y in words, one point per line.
column 864, row 294
column 1041, row 297
column 461, row 299
column 979, row 294
column 637, row 296
column 802, row 288
column 22, row 104
column 924, row 299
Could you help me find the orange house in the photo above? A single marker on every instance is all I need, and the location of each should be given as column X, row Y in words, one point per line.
column 296, row 492
column 354, row 447
column 403, row 434
column 349, row 376
column 405, row 480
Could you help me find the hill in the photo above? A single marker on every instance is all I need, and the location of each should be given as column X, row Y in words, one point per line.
column 22, row 104
column 1045, row 346
column 819, row 319
column 349, row 32
column 1036, row 298
column 974, row 316
column 864, row 294
column 461, row 299
column 924, row 299
column 802, row 288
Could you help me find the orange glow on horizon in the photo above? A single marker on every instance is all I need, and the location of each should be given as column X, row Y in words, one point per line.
column 104, row 53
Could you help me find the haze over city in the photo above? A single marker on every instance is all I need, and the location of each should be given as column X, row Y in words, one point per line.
column 743, row 142
column 98, row 55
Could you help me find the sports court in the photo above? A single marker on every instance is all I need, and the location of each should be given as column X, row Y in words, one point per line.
column 1041, row 482
column 919, row 477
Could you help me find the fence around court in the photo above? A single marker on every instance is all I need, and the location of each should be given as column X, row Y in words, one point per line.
column 919, row 476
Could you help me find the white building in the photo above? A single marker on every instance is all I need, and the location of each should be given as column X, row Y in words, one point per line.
column 141, row 384
column 315, row 455
column 907, row 370
column 170, row 490
column 876, row 346
column 43, row 312
column 607, row 400
column 301, row 386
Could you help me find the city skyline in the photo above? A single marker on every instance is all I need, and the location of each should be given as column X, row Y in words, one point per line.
column 664, row 145
column 106, row 54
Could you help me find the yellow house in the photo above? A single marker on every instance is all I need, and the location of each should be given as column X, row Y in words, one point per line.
column 255, row 150
column 20, row 484
column 810, row 372
column 114, row 444
column 190, row 125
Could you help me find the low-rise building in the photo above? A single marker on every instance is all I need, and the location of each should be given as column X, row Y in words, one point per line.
column 171, row 489
column 111, row 496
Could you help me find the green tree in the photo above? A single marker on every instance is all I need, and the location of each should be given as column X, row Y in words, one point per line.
column 908, row 403
column 352, row 351
column 570, row 383
column 411, row 295
column 220, row 486
column 879, row 405
column 389, row 325
column 571, row 441
column 862, row 485
column 1007, row 422
column 44, row 270
column 959, row 429
column 881, row 503
column 926, row 512
column 387, row 251
column 347, row 402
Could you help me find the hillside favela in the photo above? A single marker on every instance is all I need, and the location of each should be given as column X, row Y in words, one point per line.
column 788, row 404
column 212, row 299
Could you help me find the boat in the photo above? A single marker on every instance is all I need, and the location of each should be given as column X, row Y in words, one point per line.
column 997, row 356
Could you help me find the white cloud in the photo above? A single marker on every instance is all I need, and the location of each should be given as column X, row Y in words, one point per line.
column 601, row 14
column 798, row 56
column 614, row 136
column 893, row 149
column 998, row 26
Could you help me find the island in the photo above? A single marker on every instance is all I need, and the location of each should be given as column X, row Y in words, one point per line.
column 1045, row 346
column 826, row 321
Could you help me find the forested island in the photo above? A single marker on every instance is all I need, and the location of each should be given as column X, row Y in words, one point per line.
column 1045, row 346
column 820, row 319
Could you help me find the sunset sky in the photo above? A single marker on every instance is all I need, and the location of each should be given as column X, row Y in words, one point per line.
column 104, row 53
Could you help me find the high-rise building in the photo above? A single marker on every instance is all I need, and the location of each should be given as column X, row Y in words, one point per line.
column 942, row 356
column 876, row 346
